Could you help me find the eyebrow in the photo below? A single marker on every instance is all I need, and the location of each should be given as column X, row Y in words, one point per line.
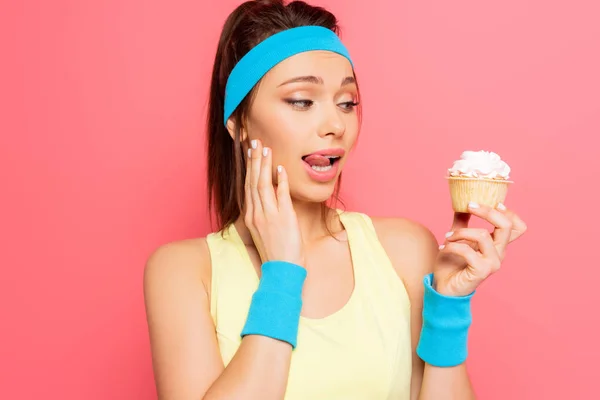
column 316, row 80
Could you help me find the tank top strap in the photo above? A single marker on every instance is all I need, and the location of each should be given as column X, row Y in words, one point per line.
column 374, row 270
column 363, row 239
column 230, row 253
column 231, row 271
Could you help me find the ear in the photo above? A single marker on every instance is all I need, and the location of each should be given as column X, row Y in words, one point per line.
column 231, row 128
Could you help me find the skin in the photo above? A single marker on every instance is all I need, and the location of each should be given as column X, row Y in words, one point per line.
column 283, row 222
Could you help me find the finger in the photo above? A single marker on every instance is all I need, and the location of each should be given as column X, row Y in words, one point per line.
column 518, row 226
column 481, row 237
column 265, row 183
column 460, row 221
column 472, row 258
column 284, row 199
column 502, row 224
column 255, row 160
column 248, row 189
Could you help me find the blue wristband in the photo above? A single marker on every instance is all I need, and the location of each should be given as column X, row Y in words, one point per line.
column 446, row 322
column 275, row 308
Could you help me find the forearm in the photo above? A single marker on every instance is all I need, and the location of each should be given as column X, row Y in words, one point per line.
column 450, row 383
column 259, row 370
column 260, row 367
column 443, row 346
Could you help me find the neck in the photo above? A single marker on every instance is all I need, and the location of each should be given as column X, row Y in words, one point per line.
column 314, row 225
column 316, row 221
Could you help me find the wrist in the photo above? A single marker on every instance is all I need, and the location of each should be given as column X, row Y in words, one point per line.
column 446, row 322
column 446, row 289
column 282, row 276
column 297, row 260
column 275, row 308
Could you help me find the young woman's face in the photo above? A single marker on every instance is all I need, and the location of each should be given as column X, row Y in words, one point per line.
column 305, row 111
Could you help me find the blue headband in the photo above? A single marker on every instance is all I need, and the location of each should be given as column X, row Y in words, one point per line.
column 270, row 52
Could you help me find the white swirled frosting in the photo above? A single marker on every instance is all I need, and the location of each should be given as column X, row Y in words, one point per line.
column 480, row 164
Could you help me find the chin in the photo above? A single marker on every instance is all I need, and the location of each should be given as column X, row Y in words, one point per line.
column 314, row 192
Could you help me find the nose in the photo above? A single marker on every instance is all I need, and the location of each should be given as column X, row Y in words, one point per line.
column 332, row 122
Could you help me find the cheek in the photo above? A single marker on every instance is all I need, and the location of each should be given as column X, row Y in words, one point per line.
column 287, row 121
column 277, row 126
column 352, row 129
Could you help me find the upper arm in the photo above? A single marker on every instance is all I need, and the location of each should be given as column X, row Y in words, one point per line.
column 185, row 355
column 412, row 248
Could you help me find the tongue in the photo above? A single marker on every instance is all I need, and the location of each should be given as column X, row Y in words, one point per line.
column 317, row 160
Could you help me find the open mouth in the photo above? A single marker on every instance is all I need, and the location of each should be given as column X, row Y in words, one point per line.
column 321, row 163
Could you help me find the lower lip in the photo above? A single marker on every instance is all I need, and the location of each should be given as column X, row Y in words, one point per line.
column 322, row 176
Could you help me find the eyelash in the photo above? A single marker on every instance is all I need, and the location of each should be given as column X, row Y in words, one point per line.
column 307, row 103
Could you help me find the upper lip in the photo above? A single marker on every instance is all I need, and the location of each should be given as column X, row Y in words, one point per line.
column 336, row 152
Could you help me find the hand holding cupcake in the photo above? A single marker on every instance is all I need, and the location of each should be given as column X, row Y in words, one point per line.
column 478, row 185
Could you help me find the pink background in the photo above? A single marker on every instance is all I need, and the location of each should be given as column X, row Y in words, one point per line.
column 102, row 156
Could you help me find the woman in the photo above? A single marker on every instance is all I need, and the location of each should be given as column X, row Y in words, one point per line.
column 291, row 298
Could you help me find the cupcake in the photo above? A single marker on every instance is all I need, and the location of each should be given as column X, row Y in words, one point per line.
column 478, row 176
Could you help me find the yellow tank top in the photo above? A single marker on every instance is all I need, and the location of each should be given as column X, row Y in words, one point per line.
column 362, row 351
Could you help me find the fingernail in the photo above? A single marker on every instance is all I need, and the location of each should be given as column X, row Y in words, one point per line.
column 265, row 151
column 472, row 204
column 253, row 144
column 279, row 168
column 448, row 234
column 441, row 246
column 501, row 207
column 249, row 152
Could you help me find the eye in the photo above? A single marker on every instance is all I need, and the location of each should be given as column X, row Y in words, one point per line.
column 300, row 104
column 349, row 105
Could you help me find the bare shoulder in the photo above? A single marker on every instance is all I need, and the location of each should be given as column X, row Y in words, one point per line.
column 403, row 229
column 185, row 352
column 410, row 245
column 181, row 262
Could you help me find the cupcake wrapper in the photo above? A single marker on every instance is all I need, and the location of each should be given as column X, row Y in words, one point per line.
column 482, row 191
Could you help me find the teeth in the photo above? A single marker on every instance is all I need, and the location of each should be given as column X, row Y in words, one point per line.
column 321, row 169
